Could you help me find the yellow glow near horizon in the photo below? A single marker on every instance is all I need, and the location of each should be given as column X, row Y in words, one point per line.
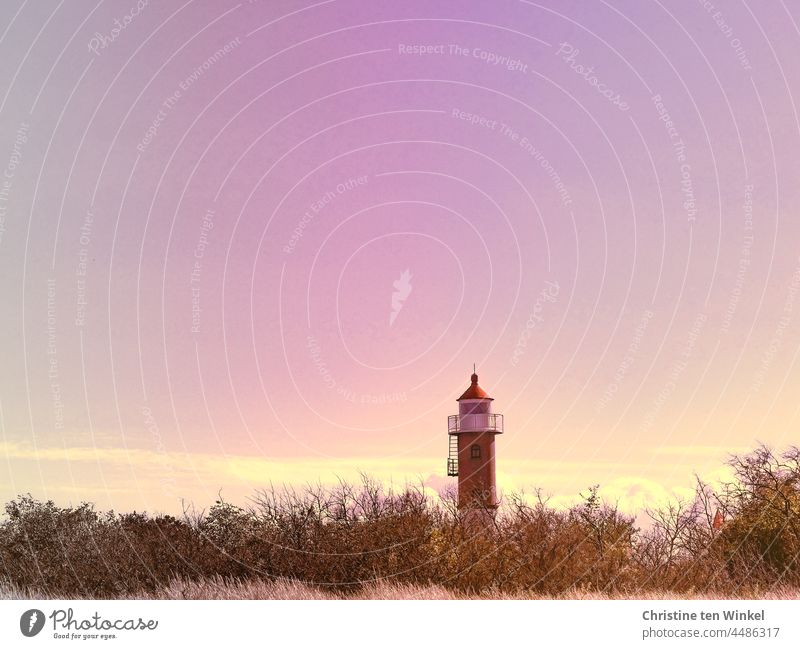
column 144, row 479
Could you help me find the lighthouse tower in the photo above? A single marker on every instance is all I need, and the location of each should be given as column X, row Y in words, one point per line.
column 471, row 457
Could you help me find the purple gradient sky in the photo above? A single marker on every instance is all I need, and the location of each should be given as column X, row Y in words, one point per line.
column 668, row 339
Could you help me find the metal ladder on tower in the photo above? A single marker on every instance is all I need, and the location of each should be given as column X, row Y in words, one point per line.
column 452, row 456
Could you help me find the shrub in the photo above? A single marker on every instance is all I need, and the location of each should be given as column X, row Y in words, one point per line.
column 348, row 536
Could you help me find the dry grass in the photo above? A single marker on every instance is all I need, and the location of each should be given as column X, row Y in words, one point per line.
column 287, row 589
column 10, row 591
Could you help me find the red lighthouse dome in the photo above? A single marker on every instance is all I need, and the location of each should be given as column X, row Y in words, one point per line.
column 474, row 391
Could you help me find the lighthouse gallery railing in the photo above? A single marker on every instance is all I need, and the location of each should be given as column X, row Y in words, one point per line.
column 490, row 422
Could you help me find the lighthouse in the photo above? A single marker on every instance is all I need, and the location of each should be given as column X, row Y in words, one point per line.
column 471, row 457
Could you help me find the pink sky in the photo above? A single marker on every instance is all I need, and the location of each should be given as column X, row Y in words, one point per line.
column 206, row 213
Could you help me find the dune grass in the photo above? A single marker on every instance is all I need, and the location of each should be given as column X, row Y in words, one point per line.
column 217, row 588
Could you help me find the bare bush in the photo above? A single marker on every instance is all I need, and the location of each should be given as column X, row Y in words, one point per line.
column 742, row 540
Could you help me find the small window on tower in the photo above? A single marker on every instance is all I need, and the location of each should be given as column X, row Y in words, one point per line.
column 475, row 452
